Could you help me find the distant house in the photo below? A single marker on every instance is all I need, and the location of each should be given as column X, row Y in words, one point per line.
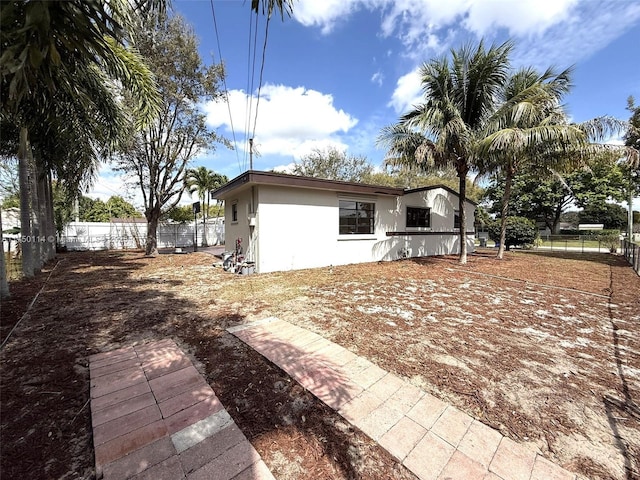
column 287, row 222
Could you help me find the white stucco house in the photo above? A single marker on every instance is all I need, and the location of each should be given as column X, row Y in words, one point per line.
column 288, row 222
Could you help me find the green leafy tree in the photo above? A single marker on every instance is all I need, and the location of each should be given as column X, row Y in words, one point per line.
column 407, row 178
column 96, row 210
column 597, row 184
column 539, row 198
column 180, row 214
column 118, row 207
column 460, row 92
column 520, row 231
column 333, row 164
column 12, row 201
column 158, row 156
column 612, row 216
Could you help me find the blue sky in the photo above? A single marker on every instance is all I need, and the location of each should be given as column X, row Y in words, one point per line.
column 339, row 70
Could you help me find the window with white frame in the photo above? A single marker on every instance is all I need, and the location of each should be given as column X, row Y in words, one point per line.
column 356, row 218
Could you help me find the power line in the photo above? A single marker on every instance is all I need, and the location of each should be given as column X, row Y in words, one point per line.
column 264, row 53
column 251, row 73
column 224, row 81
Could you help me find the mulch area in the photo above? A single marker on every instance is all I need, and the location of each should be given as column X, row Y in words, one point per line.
column 558, row 368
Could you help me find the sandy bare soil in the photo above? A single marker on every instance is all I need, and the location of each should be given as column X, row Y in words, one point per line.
column 543, row 347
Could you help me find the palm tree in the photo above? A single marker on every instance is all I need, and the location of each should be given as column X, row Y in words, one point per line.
column 443, row 131
column 57, row 62
column 203, row 181
column 530, row 129
column 4, row 285
column 528, row 124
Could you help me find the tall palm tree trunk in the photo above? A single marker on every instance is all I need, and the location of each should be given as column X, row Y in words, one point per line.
column 4, row 285
column 44, row 217
column 35, row 212
column 204, row 220
column 26, row 247
column 462, row 174
column 504, row 210
column 51, row 234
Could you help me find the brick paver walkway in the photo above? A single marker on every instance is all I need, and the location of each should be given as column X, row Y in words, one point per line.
column 432, row 439
column 155, row 417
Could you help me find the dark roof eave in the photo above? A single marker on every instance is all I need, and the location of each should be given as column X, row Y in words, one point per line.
column 253, row 177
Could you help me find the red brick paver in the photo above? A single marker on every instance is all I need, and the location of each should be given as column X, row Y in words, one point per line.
column 432, row 439
column 154, row 417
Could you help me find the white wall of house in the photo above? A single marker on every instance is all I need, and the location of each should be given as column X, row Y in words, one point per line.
column 299, row 228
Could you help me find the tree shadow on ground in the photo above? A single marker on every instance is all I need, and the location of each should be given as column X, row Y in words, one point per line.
column 100, row 301
column 619, row 410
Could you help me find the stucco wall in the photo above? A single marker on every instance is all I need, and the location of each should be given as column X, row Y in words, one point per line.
column 240, row 228
column 298, row 228
column 420, row 242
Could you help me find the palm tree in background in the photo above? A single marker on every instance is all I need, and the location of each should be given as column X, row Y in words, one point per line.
column 529, row 123
column 204, row 181
column 460, row 94
column 530, row 130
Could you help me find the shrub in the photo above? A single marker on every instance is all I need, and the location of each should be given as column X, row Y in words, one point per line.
column 520, row 231
column 610, row 239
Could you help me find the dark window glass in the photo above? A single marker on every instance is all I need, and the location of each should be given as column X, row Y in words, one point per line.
column 456, row 219
column 356, row 217
column 418, row 217
column 234, row 212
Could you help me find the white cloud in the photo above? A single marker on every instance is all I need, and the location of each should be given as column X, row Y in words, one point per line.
column 291, row 121
column 520, row 18
column 288, row 168
column 377, row 78
column 408, row 92
column 324, row 14
column 590, row 27
column 560, row 32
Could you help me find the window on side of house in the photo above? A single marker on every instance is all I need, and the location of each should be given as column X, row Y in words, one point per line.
column 357, row 218
column 456, row 219
column 418, row 217
column 234, row 212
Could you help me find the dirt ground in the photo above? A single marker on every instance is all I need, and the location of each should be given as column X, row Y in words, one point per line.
column 542, row 346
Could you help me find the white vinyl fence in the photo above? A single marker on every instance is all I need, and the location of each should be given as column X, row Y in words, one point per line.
column 132, row 235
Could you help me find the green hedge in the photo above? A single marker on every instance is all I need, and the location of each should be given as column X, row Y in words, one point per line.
column 589, row 233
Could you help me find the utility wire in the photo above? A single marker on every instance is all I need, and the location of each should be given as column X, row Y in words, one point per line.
column 224, row 81
column 264, row 53
column 251, row 73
